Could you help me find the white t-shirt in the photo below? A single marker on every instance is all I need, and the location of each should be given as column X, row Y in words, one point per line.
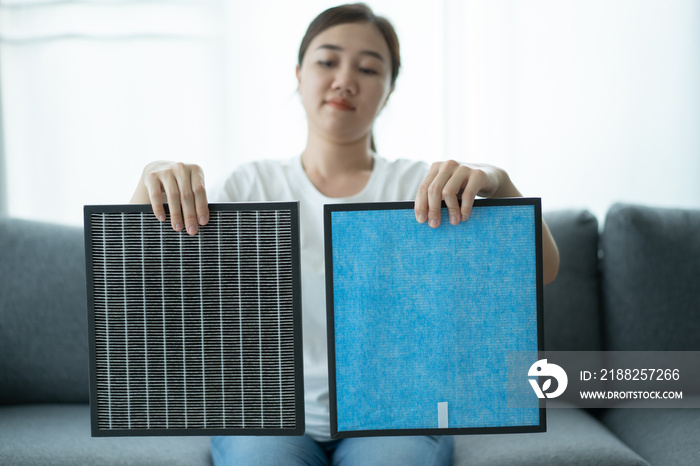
column 274, row 180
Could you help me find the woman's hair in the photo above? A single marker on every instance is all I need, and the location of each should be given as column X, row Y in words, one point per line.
column 355, row 13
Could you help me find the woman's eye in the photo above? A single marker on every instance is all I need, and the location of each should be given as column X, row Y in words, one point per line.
column 325, row 63
column 367, row 71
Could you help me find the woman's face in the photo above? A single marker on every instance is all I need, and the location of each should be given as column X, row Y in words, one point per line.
column 344, row 81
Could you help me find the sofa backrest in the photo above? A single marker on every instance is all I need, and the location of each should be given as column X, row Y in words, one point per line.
column 571, row 303
column 651, row 279
column 43, row 313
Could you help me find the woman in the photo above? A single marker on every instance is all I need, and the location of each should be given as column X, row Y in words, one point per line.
column 348, row 64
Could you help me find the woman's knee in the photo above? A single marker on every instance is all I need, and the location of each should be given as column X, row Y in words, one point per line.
column 261, row 451
column 401, row 451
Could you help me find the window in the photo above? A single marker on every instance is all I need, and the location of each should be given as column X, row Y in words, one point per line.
column 583, row 103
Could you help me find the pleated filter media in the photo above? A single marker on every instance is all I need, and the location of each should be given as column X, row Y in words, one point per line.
column 424, row 323
column 195, row 335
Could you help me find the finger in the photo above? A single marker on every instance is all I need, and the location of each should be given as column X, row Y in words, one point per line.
column 476, row 181
column 451, row 191
column 421, row 203
column 183, row 175
column 200, row 196
column 435, row 192
column 155, row 195
column 172, row 193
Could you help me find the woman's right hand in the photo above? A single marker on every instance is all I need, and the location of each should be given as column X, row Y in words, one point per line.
column 181, row 186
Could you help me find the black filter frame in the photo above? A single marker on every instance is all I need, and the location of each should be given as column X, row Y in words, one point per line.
column 294, row 351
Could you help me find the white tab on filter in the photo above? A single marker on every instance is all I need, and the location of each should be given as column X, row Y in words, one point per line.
column 442, row 415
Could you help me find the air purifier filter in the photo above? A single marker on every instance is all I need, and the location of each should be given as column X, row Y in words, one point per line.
column 195, row 335
column 423, row 323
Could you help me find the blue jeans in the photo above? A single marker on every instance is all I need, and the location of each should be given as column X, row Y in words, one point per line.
column 366, row 451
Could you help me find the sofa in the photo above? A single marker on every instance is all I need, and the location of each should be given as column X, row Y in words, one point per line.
column 633, row 284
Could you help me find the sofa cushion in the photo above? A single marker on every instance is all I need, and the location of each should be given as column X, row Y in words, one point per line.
column 573, row 437
column 571, row 302
column 43, row 313
column 661, row 436
column 60, row 435
column 651, row 278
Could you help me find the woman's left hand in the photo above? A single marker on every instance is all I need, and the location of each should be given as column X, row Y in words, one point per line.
column 450, row 180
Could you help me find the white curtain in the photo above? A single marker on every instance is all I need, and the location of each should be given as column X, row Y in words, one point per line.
column 584, row 103
column 92, row 90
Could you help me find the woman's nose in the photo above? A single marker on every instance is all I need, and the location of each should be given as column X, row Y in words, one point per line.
column 345, row 81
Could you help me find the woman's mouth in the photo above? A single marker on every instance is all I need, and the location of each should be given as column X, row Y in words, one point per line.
column 340, row 104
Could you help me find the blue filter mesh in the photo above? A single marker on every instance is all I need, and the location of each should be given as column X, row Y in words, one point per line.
column 426, row 316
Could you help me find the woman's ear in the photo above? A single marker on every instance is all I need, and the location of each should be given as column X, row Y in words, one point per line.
column 298, row 71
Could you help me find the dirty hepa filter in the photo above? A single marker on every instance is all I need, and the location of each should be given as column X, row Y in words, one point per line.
column 423, row 323
column 195, row 335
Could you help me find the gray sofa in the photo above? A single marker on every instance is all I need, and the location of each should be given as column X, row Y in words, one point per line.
column 633, row 286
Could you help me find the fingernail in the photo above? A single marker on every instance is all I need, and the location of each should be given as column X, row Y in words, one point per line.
column 202, row 220
column 178, row 226
column 464, row 218
column 433, row 223
column 161, row 218
column 191, row 230
column 454, row 220
column 421, row 218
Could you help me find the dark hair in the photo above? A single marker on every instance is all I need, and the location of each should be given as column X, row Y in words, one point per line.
column 355, row 13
